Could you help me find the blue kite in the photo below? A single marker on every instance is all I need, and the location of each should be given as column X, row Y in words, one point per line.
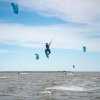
column 15, row 7
column 84, row 49
column 37, row 56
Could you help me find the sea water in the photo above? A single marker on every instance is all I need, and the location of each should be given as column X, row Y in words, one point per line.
column 50, row 85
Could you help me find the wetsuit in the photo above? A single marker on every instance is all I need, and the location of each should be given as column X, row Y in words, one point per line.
column 47, row 48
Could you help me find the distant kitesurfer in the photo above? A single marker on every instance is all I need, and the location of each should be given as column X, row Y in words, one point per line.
column 65, row 72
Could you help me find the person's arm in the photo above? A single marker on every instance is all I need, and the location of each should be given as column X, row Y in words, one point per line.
column 50, row 42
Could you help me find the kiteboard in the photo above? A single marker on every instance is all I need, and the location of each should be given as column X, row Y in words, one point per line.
column 46, row 53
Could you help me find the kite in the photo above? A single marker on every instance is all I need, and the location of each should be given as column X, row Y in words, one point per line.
column 15, row 7
column 84, row 49
column 73, row 66
column 37, row 56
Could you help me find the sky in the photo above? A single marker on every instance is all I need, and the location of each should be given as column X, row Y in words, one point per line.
column 70, row 24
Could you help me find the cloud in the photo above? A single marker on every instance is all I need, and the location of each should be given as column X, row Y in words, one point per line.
column 82, row 11
column 70, row 37
column 64, row 36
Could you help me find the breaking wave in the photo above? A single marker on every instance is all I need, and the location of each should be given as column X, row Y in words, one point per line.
column 70, row 88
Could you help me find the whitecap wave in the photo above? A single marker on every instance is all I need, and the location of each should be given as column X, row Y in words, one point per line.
column 3, row 77
column 46, row 92
column 23, row 73
column 70, row 88
column 70, row 74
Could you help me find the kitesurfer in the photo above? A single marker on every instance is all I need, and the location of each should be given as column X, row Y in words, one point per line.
column 47, row 48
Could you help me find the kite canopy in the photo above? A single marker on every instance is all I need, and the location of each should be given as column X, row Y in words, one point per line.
column 84, row 49
column 73, row 66
column 15, row 7
column 37, row 56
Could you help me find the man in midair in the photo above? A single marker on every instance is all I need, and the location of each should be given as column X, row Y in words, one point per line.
column 47, row 50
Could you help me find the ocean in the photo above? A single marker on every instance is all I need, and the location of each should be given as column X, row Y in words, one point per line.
column 54, row 85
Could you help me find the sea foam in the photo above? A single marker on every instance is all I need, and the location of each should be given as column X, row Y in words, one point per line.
column 69, row 88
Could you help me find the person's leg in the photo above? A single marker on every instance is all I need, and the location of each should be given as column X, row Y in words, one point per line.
column 49, row 51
